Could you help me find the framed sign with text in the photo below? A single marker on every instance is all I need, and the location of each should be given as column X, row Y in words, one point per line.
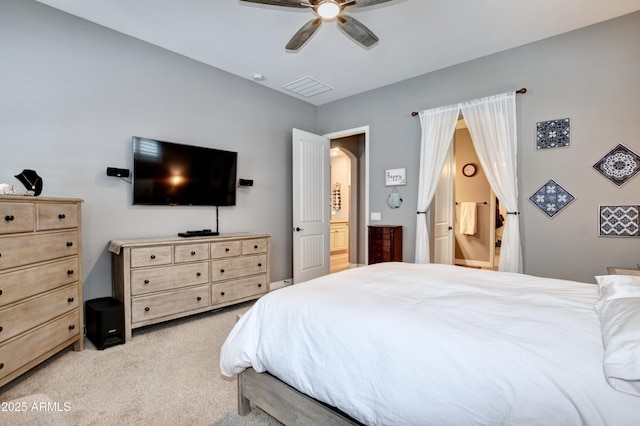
column 395, row 177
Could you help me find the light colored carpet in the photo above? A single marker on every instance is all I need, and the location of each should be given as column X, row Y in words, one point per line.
column 167, row 374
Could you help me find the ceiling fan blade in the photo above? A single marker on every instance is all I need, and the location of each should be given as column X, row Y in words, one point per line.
column 365, row 3
column 303, row 34
column 283, row 3
column 357, row 31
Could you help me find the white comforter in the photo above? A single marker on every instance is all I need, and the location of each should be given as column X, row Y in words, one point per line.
column 401, row 344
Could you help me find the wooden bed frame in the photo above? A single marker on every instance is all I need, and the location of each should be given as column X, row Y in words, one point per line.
column 284, row 403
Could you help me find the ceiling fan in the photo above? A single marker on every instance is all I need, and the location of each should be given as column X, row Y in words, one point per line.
column 327, row 10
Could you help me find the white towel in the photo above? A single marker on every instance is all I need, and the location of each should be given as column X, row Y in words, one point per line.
column 468, row 218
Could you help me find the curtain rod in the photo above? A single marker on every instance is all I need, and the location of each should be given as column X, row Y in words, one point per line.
column 520, row 92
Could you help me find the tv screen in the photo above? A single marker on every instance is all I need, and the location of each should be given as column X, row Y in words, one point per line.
column 167, row 173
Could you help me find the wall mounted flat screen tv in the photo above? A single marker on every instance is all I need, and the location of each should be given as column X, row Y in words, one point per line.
column 167, row 173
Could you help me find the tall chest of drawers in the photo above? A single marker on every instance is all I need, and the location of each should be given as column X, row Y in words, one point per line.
column 40, row 281
column 385, row 243
column 160, row 279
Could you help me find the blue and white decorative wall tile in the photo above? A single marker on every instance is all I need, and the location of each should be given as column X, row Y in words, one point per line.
column 553, row 134
column 619, row 165
column 551, row 198
column 619, row 221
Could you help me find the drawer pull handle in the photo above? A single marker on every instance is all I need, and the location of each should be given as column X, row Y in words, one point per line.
column 1, row 365
column 259, row 265
column 226, row 249
column 70, row 300
column 9, row 217
column 193, row 253
column 198, row 298
column 222, row 293
column 153, row 256
column 255, row 247
column 70, row 272
column 72, row 327
column 222, row 271
column 198, row 274
column 0, row 328
column 69, row 244
column 0, row 292
column 146, row 309
column 259, row 285
column 61, row 216
column 146, row 281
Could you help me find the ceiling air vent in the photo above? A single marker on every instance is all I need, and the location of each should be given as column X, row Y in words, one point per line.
column 307, row 87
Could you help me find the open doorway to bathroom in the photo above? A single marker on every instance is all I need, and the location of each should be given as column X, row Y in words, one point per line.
column 348, row 201
column 479, row 215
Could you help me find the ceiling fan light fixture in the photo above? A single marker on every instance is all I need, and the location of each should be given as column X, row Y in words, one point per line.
column 328, row 9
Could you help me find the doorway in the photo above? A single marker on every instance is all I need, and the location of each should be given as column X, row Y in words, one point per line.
column 311, row 200
column 349, row 217
column 468, row 207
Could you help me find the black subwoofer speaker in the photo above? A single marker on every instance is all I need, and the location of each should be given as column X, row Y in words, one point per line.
column 105, row 322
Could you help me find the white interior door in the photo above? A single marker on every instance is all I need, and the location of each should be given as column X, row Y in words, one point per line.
column 444, row 214
column 311, row 205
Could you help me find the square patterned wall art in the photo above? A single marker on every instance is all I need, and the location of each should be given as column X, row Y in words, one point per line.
column 551, row 198
column 553, row 134
column 619, row 221
column 619, row 165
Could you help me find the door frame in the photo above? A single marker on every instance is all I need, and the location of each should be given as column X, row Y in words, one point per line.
column 363, row 130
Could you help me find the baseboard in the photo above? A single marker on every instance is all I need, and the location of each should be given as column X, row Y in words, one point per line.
column 279, row 284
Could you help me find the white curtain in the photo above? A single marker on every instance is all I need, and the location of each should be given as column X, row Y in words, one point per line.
column 438, row 127
column 492, row 125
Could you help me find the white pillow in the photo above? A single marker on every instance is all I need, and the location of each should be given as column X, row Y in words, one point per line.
column 618, row 286
column 619, row 312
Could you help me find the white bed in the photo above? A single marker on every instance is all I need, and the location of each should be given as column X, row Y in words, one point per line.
column 401, row 343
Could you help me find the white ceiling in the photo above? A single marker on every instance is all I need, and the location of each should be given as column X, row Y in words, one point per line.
column 416, row 36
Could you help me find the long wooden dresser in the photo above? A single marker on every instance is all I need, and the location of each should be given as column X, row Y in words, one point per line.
column 160, row 279
column 40, row 281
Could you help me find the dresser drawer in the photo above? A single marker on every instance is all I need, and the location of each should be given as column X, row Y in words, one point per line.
column 238, row 267
column 29, row 282
column 23, row 316
column 258, row 245
column 16, row 217
column 225, row 249
column 164, row 304
column 191, row 252
column 380, row 234
column 380, row 257
column 25, row 249
column 378, row 245
column 57, row 216
column 150, row 256
column 237, row 289
column 167, row 277
column 32, row 345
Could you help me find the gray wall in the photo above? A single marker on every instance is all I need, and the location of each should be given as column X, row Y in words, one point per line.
column 72, row 94
column 590, row 75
